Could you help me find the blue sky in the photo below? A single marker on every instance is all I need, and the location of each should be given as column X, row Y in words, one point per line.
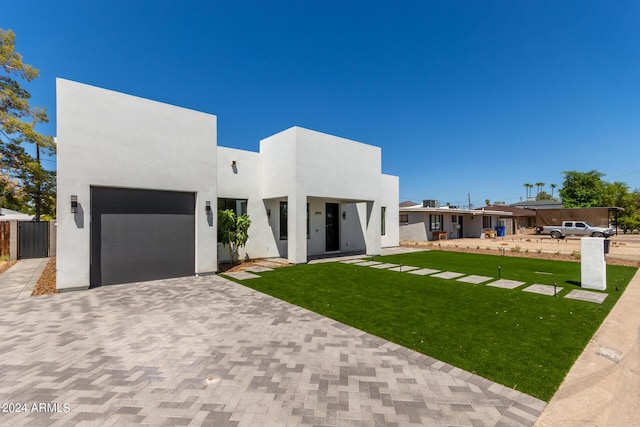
column 463, row 97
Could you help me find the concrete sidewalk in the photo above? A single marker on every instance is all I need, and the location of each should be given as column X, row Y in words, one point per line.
column 603, row 386
column 18, row 281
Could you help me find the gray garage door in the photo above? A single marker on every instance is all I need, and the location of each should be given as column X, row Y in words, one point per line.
column 139, row 235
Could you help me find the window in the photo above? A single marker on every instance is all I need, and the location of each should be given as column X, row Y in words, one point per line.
column 383, row 220
column 239, row 206
column 404, row 218
column 435, row 222
column 454, row 218
column 486, row 221
column 283, row 221
column 308, row 235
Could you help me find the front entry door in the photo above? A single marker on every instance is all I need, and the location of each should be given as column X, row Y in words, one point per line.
column 332, row 227
column 460, row 232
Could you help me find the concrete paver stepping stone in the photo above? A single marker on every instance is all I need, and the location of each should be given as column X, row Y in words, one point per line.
column 385, row 265
column 474, row 279
column 589, row 296
column 403, row 268
column 241, row 275
column 537, row 288
column 448, row 275
column 369, row 263
column 506, row 284
column 258, row 269
column 424, row 271
column 352, row 261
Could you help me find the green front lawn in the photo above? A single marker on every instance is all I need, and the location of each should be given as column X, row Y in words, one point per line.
column 522, row 340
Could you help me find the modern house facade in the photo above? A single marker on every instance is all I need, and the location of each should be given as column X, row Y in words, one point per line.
column 421, row 223
column 140, row 183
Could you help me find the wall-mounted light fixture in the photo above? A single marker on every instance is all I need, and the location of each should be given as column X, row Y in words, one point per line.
column 233, row 163
column 268, row 213
column 344, row 215
column 74, row 204
column 207, row 207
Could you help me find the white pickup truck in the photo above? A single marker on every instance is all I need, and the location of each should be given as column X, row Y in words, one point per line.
column 574, row 228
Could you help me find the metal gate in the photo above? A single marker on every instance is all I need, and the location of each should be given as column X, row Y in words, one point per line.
column 33, row 239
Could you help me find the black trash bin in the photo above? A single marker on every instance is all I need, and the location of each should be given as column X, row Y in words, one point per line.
column 607, row 242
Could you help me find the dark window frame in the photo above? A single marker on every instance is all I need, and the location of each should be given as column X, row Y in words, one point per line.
column 284, row 226
column 383, row 221
column 435, row 222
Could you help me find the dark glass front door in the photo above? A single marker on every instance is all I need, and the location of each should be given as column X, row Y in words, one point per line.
column 332, row 227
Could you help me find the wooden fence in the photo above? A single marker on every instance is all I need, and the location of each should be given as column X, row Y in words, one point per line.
column 4, row 238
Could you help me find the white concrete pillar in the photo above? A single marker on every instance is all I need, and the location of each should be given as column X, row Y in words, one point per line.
column 374, row 230
column 297, row 229
column 593, row 267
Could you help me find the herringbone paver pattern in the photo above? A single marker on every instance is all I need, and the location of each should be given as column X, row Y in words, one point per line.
column 206, row 351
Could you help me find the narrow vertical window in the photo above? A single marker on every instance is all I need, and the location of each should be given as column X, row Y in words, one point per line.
column 283, row 221
column 383, row 220
column 435, row 222
column 308, row 234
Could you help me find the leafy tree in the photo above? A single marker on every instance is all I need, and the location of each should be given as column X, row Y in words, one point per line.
column 234, row 231
column 487, row 202
column 543, row 195
column 617, row 194
column 582, row 189
column 629, row 222
column 28, row 187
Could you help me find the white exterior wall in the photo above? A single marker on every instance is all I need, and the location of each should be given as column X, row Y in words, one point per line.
column 106, row 138
column 244, row 182
column 389, row 199
column 111, row 139
column 416, row 229
column 324, row 167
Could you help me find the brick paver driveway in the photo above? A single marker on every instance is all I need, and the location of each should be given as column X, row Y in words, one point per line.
column 206, row 351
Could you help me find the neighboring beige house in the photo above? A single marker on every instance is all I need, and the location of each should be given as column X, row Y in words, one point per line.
column 421, row 223
column 516, row 220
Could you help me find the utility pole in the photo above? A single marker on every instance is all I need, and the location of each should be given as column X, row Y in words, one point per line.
column 39, row 184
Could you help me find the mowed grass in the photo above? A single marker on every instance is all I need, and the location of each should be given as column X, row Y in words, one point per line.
column 522, row 340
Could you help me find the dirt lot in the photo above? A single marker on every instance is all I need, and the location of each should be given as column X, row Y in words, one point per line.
column 624, row 249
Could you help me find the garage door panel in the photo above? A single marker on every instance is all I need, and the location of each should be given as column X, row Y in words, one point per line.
column 146, row 247
column 140, row 235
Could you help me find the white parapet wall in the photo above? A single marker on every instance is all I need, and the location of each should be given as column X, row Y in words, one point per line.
column 593, row 266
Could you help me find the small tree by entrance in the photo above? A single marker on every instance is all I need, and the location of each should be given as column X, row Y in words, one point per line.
column 234, row 231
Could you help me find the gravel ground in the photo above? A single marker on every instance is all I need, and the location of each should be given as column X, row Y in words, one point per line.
column 47, row 282
column 624, row 249
column 5, row 265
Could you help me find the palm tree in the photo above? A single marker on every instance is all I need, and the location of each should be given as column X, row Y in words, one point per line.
column 528, row 186
column 539, row 185
column 552, row 187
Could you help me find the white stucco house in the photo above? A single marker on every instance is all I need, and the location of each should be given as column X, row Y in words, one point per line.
column 422, row 222
column 140, row 182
